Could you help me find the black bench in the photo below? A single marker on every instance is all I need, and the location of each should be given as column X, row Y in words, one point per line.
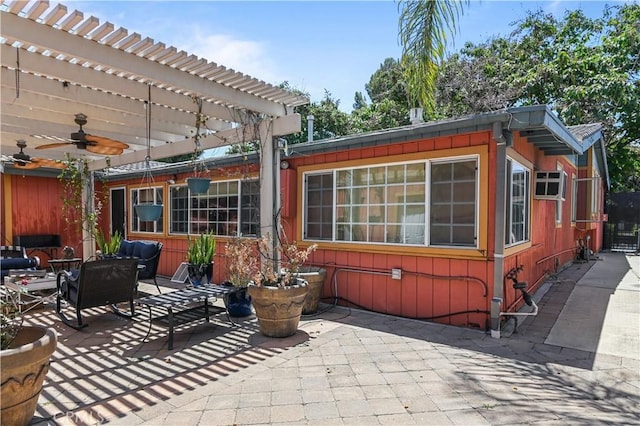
column 46, row 243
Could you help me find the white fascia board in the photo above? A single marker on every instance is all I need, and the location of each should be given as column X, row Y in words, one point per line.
column 41, row 35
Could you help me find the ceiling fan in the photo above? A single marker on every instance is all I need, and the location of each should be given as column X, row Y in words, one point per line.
column 95, row 144
column 25, row 161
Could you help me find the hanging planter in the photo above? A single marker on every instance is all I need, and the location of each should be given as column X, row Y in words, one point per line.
column 199, row 182
column 198, row 185
column 148, row 212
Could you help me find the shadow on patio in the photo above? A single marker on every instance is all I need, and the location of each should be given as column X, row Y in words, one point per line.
column 108, row 368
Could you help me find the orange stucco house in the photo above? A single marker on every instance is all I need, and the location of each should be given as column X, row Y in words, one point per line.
column 429, row 221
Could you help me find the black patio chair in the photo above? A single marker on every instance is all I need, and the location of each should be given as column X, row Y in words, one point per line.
column 97, row 283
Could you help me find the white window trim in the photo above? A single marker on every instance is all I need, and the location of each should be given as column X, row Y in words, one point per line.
column 427, row 162
column 528, row 196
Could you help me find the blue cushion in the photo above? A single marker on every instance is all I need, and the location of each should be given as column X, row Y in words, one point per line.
column 126, row 248
column 145, row 250
column 18, row 263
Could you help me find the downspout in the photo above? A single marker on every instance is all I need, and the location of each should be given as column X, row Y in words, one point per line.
column 500, row 206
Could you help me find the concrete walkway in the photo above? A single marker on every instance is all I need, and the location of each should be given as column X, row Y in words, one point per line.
column 353, row 367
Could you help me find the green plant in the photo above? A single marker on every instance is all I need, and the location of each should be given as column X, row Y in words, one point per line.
column 202, row 249
column 79, row 212
column 110, row 246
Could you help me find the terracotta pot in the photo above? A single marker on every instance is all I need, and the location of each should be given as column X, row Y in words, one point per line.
column 278, row 309
column 24, row 366
column 315, row 277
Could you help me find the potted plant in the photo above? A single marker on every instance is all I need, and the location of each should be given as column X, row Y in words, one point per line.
column 108, row 247
column 200, row 258
column 25, row 352
column 293, row 259
column 241, row 265
column 199, row 183
column 278, row 296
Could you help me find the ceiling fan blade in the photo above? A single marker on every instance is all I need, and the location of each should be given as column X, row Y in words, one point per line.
column 25, row 166
column 51, row 164
column 52, row 145
column 101, row 140
column 104, row 150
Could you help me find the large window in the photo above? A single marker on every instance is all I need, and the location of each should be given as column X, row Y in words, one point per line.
column 319, row 206
column 453, row 203
column 394, row 204
column 518, row 209
column 145, row 196
column 227, row 208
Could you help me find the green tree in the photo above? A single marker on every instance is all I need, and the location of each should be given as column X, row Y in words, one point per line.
column 474, row 80
column 387, row 83
column 329, row 120
column 359, row 101
column 389, row 107
column 423, row 29
column 585, row 69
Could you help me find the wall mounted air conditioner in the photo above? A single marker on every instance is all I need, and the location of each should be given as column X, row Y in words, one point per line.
column 550, row 185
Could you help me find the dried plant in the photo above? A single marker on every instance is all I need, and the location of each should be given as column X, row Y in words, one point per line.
column 249, row 261
column 242, row 261
column 10, row 322
column 292, row 258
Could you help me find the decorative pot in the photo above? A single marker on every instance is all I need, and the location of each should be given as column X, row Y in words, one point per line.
column 315, row 277
column 200, row 273
column 239, row 304
column 148, row 212
column 198, row 185
column 278, row 309
column 24, row 366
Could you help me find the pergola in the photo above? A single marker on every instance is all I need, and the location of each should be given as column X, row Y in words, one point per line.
column 57, row 63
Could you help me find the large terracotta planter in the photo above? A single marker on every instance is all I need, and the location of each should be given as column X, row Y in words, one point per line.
column 278, row 309
column 315, row 277
column 24, row 366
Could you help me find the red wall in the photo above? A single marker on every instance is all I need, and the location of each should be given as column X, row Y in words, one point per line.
column 453, row 291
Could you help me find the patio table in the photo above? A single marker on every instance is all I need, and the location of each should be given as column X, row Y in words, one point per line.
column 27, row 293
column 186, row 305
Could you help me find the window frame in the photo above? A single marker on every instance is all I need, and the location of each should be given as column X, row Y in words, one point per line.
column 208, row 211
column 134, row 220
column 509, row 203
column 426, row 181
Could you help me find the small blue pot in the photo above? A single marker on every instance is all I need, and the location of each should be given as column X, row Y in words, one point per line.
column 239, row 304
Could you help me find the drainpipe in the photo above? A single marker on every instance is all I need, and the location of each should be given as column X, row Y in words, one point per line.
column 310, row 119
column 500, row 206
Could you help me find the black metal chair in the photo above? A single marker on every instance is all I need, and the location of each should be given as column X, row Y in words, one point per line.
column 148, row 255
column 97, row 283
